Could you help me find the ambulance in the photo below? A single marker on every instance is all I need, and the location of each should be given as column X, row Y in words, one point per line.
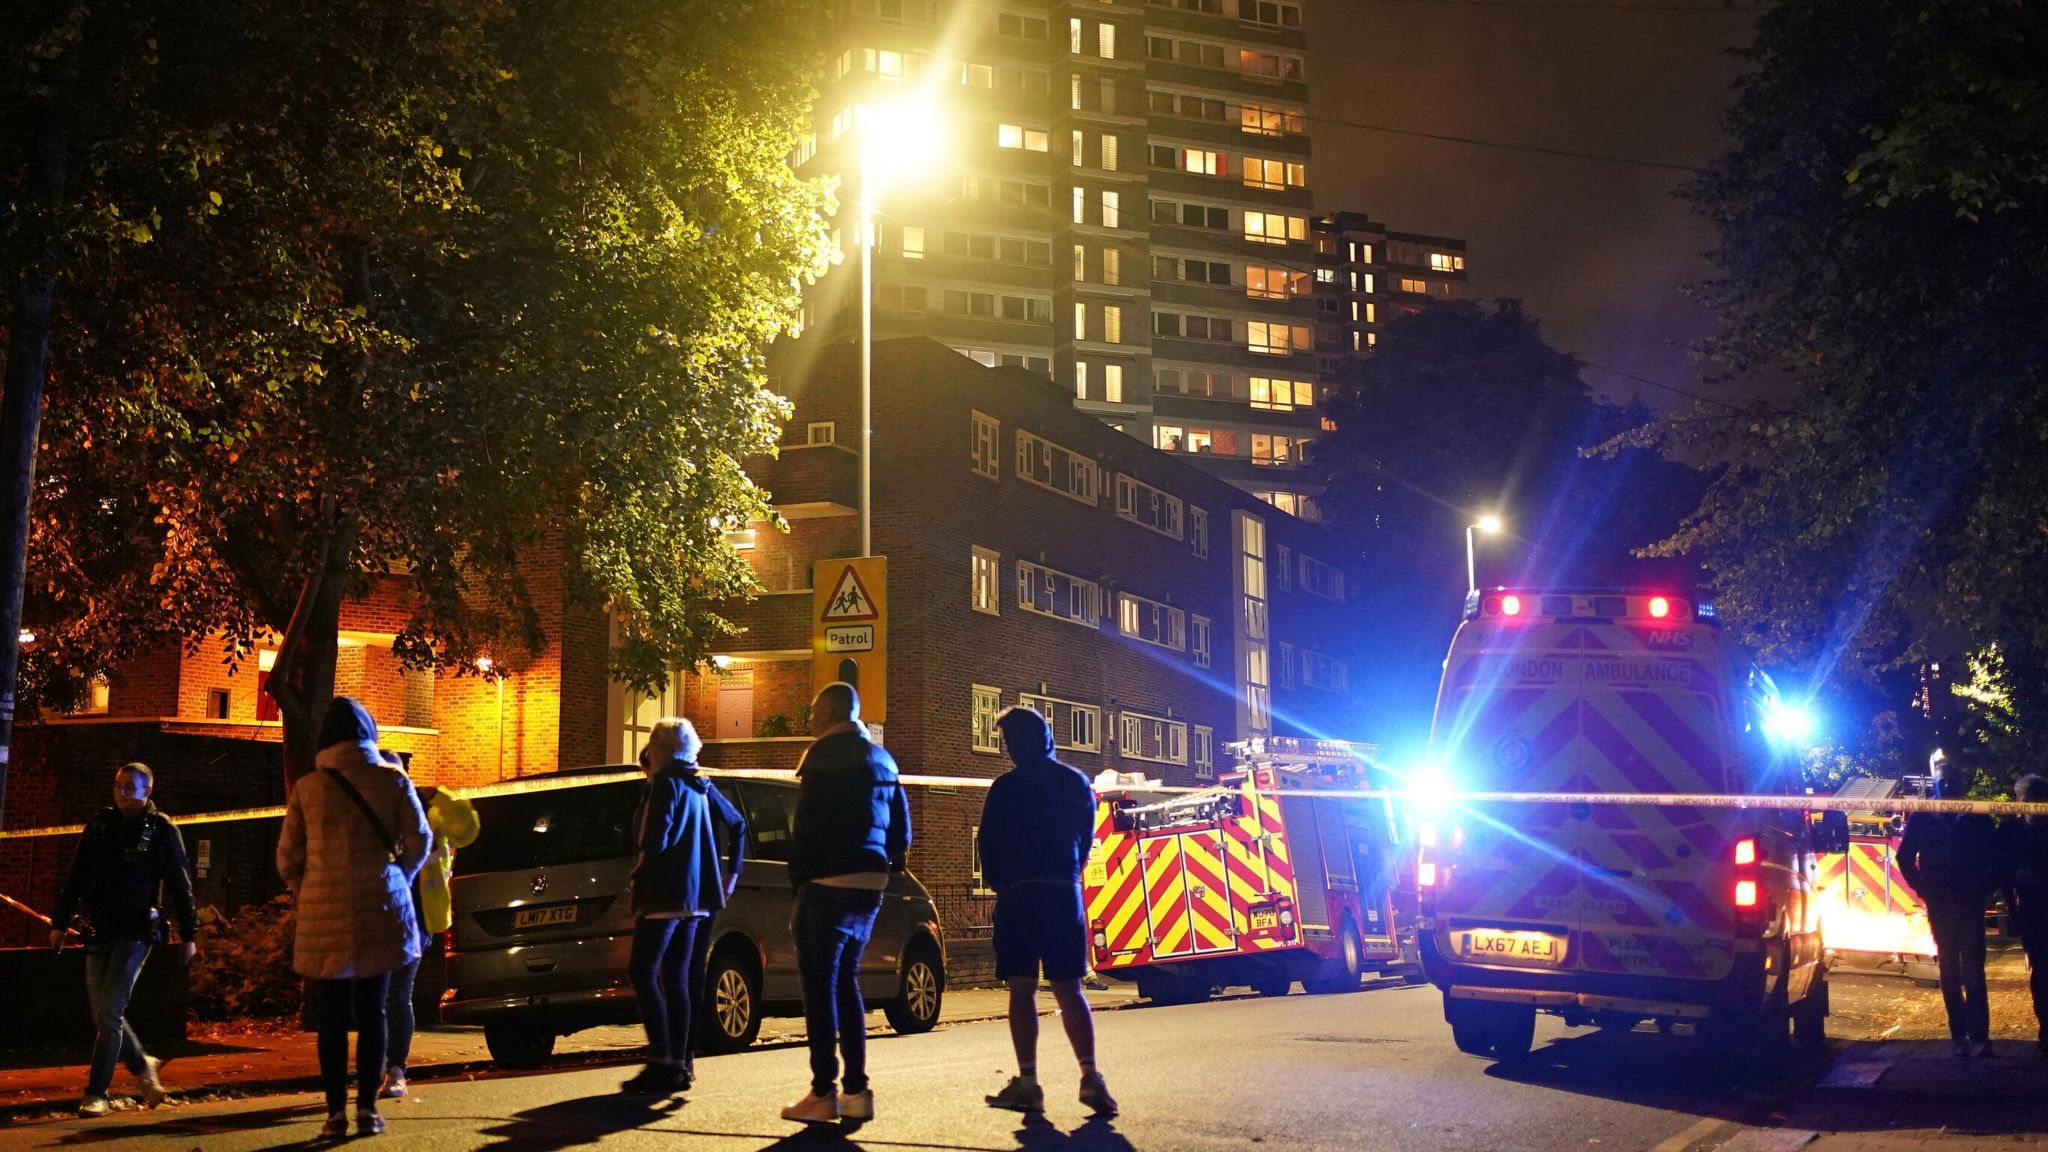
column 1256, row 882
column 1607, row 913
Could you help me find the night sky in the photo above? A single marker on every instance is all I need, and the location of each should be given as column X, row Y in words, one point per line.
column 1598, row 250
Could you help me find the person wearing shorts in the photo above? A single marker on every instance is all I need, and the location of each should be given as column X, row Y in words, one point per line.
column 1036, row 828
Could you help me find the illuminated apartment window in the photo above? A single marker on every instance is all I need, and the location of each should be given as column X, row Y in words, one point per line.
column 1112, row 323
column 1112, row 212
column 1075, row 97
column 1112, row 266
column 1080, row 204
column 1274, row 339
column 1080, row 378
column 1105, row 40
column 1079, row 146
column 1409, row 284
column 1080, row 264
column 1151, row 621
column 1018, row 136
column 1281, row 395
column 1274, row 175
column 913, row 243
column 987, row 703
column 1113, row 383
column 1264, row 120
column 988, row 580
column 984, row 446
column 1274, row 227
column 1109, row 147
column 1074, row 36
column 1080, row 320
column 1274, row 283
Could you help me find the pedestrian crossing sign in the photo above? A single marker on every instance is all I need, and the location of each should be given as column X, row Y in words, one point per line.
column 850, row 629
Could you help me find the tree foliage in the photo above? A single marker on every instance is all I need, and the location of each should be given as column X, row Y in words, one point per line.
column 1464, row 410
column 1881, row 214
column 352, row 289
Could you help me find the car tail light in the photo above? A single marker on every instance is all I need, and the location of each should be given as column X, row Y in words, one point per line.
column 1425, row 874
column 1745, row 851
column 1745, row 893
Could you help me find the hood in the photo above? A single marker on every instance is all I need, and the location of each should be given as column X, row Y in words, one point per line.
column 686, row 771
column 347, row 722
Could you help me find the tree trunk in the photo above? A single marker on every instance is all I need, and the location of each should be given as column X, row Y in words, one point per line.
column 21, row 408
column 302, row 678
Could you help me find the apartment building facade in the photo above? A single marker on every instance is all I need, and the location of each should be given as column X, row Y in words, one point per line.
column 1365, row 276
column 1120, row 203
column 1036, row 556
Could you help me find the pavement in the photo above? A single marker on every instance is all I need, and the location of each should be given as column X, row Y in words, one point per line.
column 1373, row 1070
column 218, row 1063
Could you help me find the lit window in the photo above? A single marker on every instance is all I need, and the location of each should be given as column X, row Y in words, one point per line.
column 987, row 703
column 988, row 580
column 1274, row 339
column 1105, row 40
column 1113, row 323
column 1080, row 320
column 913, row 243
column 1080, row 264
column 1112, row 212
column 1274, row 227
column 1205, row 749
column 826, row 432
column 1074, row 36
column 1080, row 148
column 1080, row 204
column 1409, row 284
column 1075, row 97
column 1113, row 383
column 1080, row 379
column 1108, row 152
column 1112, row 266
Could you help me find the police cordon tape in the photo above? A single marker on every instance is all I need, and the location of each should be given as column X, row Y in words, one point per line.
column 1432, row 799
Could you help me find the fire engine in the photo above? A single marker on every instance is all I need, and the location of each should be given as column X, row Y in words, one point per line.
column 1256, row 881
column 1869, row 917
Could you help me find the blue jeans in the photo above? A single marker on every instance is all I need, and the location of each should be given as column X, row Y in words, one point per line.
column 832, row 927
column 110, row 972
column 398, row 1018
column 664, row 984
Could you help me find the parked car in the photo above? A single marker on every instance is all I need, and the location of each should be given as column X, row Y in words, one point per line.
column 544, row 924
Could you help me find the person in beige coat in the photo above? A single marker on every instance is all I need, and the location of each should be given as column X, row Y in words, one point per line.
column 354, row 835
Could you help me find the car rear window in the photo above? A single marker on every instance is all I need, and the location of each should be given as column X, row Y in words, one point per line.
column 544, row 829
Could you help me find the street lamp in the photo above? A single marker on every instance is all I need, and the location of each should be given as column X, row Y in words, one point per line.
column 1489, row 524
column 897, row 139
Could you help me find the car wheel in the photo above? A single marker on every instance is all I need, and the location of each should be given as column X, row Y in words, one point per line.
column 1810, row 1018
column 518, row 1043
column 732, row 1003
column 916, row 1007
column 1343, row 973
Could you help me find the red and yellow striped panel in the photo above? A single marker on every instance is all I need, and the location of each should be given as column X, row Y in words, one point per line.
column 1166, row 897
column 1209, row 894
column 1114, row 889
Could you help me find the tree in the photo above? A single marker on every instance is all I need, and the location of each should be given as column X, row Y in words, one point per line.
column 1881, row 213
column 1465, row 410
column 353, row 290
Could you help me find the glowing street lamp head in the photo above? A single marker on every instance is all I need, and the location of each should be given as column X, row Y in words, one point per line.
column 1489, row 524
column 902, row 138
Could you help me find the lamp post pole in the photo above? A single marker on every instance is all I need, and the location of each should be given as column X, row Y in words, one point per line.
column 1471, row 564
column 867, row 343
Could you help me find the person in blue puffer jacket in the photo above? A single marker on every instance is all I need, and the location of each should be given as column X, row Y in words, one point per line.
column 691, row 840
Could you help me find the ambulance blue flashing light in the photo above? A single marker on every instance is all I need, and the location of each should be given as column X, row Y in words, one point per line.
column 1430, row 787
column 1790, row 722
column 1705, row 610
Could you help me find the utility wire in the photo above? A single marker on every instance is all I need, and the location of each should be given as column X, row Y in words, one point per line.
column 1660, row 384
column 1629, row 161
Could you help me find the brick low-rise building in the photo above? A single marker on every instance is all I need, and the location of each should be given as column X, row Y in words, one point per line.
column 1036, row 556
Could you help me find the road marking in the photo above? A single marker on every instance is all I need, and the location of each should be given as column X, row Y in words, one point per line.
column 1691, row 1136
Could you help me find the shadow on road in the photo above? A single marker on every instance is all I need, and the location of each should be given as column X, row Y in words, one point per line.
column 1676, row 1073
column 584, row 1120
column 1096, row 1134
column 191, row 1127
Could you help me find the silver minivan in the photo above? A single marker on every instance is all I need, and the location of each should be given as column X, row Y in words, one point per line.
column 544, row 924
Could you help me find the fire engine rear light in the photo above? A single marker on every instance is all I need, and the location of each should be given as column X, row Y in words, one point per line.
column 1745, row 851
column 1660, row 607
column 1745, row 893
column 1101, row 939
column 1287, row 916
column 1425, row 874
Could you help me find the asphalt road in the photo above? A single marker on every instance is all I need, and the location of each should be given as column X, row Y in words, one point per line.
column 1374, row 1069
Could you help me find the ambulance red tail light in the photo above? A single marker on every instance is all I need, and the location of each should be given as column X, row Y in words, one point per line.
column 1745, row 851
column 1660, row 607
column 1511, row 605
column 1745, row 893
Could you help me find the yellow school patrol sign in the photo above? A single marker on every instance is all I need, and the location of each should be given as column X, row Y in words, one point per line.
column 850, row 629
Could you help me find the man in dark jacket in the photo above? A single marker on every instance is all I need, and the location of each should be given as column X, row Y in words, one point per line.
column 2028, row 843
column 1037, row 826
column 1951, row 862
column 126, row 856
column 852, row 829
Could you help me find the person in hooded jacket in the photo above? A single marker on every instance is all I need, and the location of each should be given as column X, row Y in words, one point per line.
column 1952, row 862
column 1037, row 827
column 2027, row 843
column 852, row 829
column 354, row 836
column 691, row 842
